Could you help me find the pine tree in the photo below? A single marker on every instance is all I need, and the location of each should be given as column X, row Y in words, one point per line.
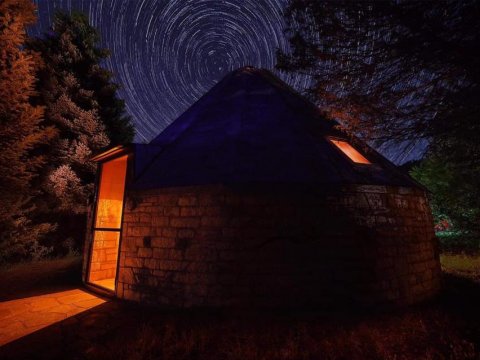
column 94, row 77
column 21, row 133
column 73, row 110
column 81, row 102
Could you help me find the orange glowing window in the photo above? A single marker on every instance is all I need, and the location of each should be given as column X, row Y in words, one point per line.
column 110, row 196
column 348, row 150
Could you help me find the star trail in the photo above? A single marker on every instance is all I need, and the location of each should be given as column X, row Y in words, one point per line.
column 167, row 54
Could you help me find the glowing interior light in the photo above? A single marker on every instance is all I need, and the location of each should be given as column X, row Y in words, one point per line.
column 106, row 236
column 110, row 197
column 348, row 150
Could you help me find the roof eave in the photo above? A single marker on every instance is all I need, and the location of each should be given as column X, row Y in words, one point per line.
column 112, row 152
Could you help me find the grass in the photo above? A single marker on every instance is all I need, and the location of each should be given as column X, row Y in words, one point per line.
column 34, row 277
column 417, row 334
column 71, row 261
column 463, row 265
column 447, row 328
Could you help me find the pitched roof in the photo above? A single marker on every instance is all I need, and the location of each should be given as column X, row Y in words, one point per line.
column 253, row 128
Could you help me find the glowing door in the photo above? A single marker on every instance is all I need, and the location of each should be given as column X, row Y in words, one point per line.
column 107, row 223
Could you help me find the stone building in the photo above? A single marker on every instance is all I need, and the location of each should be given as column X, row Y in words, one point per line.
column 251, row 198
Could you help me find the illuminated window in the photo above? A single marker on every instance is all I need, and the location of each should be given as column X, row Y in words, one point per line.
column 110, row 196
column 348, row 150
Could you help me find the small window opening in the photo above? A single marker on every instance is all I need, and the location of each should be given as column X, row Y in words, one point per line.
column 350, row 151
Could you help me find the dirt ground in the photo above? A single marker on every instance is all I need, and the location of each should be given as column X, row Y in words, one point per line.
column 446, row 328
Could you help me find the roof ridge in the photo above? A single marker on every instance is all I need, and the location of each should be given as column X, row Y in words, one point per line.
column 215, row 87
column 277, row 134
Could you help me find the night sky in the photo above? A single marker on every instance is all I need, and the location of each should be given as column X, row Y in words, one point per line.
column 166, row 54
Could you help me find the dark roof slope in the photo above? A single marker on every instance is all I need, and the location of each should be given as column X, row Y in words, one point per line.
column 253, row 128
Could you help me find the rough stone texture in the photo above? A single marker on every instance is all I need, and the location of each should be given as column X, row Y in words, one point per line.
column 278, row 246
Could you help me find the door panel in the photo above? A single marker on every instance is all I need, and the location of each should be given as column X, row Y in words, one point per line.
column 107, row 224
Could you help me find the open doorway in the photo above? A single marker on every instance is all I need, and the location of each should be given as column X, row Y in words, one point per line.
column 107, row 223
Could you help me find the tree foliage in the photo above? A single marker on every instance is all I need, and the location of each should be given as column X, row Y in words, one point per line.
column 72, row 109
column 81, row 102
column 454, row 185
column 86, row 63
column 58, row 106
column 21, row 134
column 386, row 69
column 396, row 71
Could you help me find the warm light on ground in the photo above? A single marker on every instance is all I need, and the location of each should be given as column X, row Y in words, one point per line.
column 22, row 317
column 106, row 283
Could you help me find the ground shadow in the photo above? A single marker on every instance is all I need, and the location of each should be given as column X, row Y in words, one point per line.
column 449, row 324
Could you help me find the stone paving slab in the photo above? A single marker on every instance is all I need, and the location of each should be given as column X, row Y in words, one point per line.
column 22, row 317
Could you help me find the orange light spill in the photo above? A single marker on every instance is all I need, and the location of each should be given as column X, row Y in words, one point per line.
column 21, row 317
column 348, row 150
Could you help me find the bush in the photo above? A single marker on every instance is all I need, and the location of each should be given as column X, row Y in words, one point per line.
column 453, row 200
column 458, row 242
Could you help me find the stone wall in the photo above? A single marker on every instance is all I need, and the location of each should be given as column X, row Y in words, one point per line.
column 278, row 246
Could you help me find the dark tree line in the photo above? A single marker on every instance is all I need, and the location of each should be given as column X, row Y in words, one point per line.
column 58, row 106
column 392, row 71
